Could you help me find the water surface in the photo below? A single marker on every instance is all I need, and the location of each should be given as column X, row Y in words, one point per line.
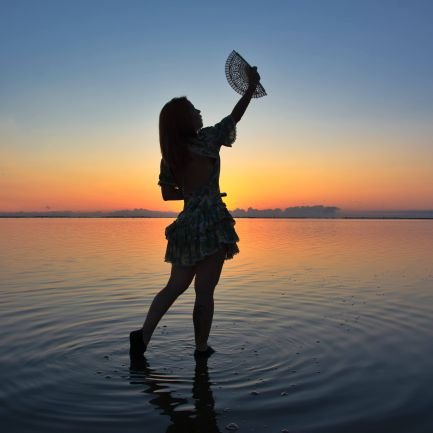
column 320, row 326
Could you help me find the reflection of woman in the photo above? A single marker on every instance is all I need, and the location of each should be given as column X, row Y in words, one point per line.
column 202, row 419
column 203, row 235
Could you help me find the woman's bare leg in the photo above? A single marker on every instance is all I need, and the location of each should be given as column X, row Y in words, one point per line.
column 208, row 272
column 180, row 279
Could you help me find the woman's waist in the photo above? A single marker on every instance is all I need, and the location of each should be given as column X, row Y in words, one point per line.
column 204, row 191
column 203, row 210
column 204, row 198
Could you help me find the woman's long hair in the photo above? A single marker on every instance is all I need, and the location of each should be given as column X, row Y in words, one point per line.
column 175, row 127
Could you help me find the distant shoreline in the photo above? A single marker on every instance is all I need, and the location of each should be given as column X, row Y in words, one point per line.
column 236, row 217
column 294, row 212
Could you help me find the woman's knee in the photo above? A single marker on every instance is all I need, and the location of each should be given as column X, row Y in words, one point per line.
column 204, row 289
column 204, row 299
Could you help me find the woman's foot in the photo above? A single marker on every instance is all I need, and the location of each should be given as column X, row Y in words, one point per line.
column 203, row 353
column 136, row 344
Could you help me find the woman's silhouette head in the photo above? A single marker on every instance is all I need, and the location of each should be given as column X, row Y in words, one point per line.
column 179, row 120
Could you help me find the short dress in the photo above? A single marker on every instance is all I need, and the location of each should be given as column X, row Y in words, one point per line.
column 205, row 225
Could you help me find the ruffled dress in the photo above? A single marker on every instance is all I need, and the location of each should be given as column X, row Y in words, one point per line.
column 205, row 225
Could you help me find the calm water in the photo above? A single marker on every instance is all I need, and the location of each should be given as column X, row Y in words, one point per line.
column 320, row 326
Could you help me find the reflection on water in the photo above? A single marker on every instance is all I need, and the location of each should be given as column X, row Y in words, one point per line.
column 321, row 326
column 183, row 418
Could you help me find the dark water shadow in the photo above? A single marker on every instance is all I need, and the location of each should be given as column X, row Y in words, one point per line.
column 202, row 418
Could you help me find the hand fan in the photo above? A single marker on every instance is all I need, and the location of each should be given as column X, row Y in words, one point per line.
column 236, row 73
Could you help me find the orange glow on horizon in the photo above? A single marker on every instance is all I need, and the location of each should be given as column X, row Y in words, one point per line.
column 102, row 176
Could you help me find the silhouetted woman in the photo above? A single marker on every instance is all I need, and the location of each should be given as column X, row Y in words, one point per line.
column 203, row 235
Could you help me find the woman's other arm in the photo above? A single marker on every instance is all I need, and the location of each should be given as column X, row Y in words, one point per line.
column 241, row 106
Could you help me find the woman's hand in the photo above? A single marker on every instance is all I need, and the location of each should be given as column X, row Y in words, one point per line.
column 253, row 76
column 171, row 193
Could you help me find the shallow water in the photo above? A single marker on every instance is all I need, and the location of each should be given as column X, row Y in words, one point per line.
column 320, row 326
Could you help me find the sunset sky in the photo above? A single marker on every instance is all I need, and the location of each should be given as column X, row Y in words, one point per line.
column 348, row 120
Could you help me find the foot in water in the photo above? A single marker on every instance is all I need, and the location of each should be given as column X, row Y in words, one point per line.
column 136, row 344
column 203, row 353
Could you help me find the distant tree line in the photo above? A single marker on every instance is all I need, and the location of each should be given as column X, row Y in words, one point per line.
column 318, row 211
column 290, row 212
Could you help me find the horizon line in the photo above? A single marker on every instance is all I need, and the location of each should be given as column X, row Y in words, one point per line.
column 311, row 211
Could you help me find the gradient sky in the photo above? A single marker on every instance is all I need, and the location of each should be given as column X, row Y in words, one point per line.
column 348, row 120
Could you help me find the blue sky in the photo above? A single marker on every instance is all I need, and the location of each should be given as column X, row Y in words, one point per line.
column 373, row 57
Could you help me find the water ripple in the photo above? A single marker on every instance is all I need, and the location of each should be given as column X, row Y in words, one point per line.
column 334, row 338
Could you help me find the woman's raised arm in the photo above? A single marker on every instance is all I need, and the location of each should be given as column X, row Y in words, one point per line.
column 241, row 106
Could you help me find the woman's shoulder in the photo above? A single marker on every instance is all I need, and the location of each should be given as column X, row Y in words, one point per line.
column 210, row 139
